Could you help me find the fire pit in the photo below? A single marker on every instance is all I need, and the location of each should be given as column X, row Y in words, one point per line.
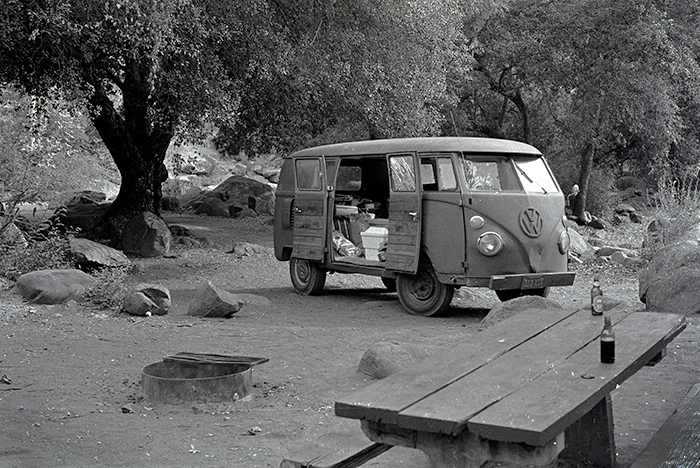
column 185, row 377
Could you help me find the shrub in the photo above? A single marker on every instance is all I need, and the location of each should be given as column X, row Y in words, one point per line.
column 52, row 253
column 678, row 203
column 110, row 289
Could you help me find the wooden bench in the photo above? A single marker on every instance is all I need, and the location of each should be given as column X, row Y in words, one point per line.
column 677, row 443
column 527, row 390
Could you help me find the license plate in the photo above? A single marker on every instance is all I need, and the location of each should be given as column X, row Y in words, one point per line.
column 532, row 282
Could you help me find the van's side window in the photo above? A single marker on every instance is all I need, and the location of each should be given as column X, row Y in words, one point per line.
column 309, row 174
column 403, row 177
column 446, row 174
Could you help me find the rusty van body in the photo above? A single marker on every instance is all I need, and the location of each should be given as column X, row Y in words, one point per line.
column 426, row 215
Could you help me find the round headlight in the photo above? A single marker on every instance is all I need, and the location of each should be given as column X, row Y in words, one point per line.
column 564, row 242
column 490, row 244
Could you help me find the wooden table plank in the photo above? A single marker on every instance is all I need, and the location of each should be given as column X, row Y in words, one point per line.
column 449, row 410
column 547, row 406
column 382, row 400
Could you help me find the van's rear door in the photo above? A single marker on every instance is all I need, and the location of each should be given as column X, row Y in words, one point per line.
column 309, row 209
column 404, row 213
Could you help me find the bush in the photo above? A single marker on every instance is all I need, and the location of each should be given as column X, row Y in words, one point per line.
column 49, row 254
column 110, row 289
column 678, row 202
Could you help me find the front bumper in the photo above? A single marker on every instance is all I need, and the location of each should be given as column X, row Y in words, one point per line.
column 531, row 280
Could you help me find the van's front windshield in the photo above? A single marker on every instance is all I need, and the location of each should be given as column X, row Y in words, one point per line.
column 507, row 174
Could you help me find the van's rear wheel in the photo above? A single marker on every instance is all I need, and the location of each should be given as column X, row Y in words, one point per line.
column 422, row 293
column 508, row 294
column 307, row 277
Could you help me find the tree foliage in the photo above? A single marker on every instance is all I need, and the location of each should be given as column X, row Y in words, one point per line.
column 43, row 144
column 145, row 69
column 606, row 81
column 594, row 84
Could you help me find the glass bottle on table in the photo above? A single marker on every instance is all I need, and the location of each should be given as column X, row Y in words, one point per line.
column 607, row 343
column 596, row 297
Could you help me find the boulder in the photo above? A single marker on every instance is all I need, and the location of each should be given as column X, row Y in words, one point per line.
column 11, row 235
column 671, row 281
column 655, row 236
column 579, row 247
column 53, row 286
column 92, row 254
column 212, row 206
column 171, row 204
column 83, row 217
column 86, row 197
column 212, row 301
column 145, row 298
column 387, row 357
column 146, row 235
column 239, row 193
column 504, row 310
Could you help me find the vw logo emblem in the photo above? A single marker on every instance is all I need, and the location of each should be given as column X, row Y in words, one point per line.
column 531, row 222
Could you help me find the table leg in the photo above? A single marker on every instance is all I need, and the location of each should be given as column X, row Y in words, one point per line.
column 592, row 438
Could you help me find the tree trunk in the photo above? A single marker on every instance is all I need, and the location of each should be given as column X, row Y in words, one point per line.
column 138, row 145
column 583, row 180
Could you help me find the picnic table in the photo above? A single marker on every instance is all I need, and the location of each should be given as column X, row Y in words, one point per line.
column 527, row 390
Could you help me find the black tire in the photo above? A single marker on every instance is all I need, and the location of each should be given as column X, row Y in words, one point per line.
column 389, row 284
column 422, row 294
column 508, row 294
column 307, row 277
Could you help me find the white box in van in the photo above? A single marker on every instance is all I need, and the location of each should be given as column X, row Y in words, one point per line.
column 372, row 239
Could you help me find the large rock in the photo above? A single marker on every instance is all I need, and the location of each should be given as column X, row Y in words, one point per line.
column 387, row 357
column 504, row 310
column 11, row 235
column 212, row 206
column 240, row 193
column 83, row 217
column 671, row 281
column 144, row 298
column 86, row 197
column 146, row 235
column 92, row 254
column 212, row 301
column 580, row 248
column 53, row 286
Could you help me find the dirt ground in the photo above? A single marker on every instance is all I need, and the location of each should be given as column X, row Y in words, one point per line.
column 72, row 373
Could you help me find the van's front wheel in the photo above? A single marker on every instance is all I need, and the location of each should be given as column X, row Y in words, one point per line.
column 422, row 293
column 307, row 277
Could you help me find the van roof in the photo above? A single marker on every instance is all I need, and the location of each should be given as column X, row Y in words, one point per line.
column 421, row 145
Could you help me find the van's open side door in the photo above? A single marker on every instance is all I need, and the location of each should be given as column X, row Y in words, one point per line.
column 404, row 213
column 309, row 209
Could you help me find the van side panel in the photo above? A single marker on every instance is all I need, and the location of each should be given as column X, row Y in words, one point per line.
column 284, row 196
column 309, row 225
column 403, row 250
column 443, row 232
column 404, row 234
column 309, row 209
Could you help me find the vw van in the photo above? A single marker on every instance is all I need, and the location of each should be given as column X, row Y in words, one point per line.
column 426, row 215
